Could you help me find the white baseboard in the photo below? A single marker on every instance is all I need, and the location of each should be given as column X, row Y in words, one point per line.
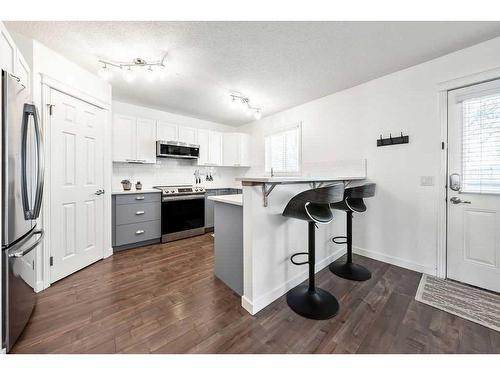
column 430, row 270
column 107, row 253
column 38, row 286
column 253, row 307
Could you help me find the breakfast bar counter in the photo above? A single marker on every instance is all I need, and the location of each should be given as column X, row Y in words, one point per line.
column 269, row 238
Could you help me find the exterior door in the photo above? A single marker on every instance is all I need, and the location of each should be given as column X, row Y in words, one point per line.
column 473, row 232
column 77, row 205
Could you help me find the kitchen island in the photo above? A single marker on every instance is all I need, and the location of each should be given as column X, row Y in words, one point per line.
column 228, row 228
column 269, row 239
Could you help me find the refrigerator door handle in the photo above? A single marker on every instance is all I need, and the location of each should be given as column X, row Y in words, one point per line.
column 24, row 178
column 20, row 254
column 32, row 213
column 40, row 163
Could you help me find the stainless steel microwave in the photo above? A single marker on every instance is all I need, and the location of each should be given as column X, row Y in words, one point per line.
column 170, row 149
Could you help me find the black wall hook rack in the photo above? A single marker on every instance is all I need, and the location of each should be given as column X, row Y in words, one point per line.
column 393, row 140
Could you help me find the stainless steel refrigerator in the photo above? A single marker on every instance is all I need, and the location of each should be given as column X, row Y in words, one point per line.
column 22, row 188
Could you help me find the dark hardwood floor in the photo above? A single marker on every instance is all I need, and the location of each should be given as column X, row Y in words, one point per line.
column 166, row 299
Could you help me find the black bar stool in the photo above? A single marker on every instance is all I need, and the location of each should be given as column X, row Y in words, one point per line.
column 352, row 202
column 313, row 206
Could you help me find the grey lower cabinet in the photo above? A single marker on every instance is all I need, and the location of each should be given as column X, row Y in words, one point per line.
column 229, row 245
column 136, row 220
column 209, row 205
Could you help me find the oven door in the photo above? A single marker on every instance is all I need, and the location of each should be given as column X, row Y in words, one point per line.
column 182, row 215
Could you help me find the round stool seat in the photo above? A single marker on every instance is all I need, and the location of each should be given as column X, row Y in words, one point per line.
column 350, row 204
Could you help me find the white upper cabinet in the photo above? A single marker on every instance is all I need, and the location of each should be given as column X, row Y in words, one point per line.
column 166, row 131
column 236, row 150
column 187, row 135
column 244, row 150
column 203, row 141
column 215, row 148
column 231, row 149
column 124, row 131
column 210, row 147
column 146, row 140
column 134, row 140
column 7, row 51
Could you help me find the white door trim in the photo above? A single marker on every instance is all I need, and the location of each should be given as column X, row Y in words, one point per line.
column 442, row 89
column 47, row 84
column 72, row 91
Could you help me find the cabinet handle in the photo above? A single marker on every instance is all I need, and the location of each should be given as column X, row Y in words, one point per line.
column 139, row 213
column 141, row 198
column 140, row 231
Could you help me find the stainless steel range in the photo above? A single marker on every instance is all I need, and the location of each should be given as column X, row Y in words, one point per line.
column 182, row 211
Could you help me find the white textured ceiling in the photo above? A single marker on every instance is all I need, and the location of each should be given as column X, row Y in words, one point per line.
column 277, row 64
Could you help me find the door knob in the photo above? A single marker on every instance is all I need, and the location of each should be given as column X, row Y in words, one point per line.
column 99, row 192
column 456, row 200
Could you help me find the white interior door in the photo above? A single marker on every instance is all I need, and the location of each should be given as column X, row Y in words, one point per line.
column 76, row 163
column 473, row 254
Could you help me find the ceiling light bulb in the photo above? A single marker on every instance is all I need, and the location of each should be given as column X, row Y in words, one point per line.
column 150, row 74
column 257, row 114
column 105, row 72
column 129, row 74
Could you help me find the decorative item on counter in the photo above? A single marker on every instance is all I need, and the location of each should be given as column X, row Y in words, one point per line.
column 127, row 185
column 138, row 185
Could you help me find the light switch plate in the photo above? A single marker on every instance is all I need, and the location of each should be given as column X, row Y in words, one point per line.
column 426, row 180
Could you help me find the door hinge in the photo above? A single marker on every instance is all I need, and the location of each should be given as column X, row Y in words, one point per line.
column 33, row 264
column 51, row 261
column 442, row 145
column 50, row 108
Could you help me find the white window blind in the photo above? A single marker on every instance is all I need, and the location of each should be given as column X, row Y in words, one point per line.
column 481, row 144
column 283, row 151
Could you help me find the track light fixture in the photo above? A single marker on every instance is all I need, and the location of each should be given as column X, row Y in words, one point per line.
column 238, row 100
column 129, row 69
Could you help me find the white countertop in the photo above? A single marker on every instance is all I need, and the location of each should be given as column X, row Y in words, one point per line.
column 297, row 179
column 236, row 199
column 133, row 191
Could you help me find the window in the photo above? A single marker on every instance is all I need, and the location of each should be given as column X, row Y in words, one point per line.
column 283, row 151
column 481, row 144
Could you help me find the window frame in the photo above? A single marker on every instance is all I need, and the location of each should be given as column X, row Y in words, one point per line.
column 472, row 94
column 283, row 129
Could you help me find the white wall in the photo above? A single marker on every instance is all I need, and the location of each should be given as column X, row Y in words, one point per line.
column 400, row 225
column 171, row 171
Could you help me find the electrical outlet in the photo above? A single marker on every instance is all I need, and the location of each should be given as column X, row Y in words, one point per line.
column 426, row 180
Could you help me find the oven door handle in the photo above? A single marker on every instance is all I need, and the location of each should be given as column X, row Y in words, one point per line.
column 183, row 198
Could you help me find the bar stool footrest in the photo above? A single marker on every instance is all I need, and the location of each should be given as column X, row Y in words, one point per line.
column 336, row 240
column 299, row 263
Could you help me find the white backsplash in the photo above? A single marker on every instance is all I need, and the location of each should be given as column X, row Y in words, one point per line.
column 169, row 171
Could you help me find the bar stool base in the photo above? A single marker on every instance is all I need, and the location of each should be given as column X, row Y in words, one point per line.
column 350, row 271
column 318, row 305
